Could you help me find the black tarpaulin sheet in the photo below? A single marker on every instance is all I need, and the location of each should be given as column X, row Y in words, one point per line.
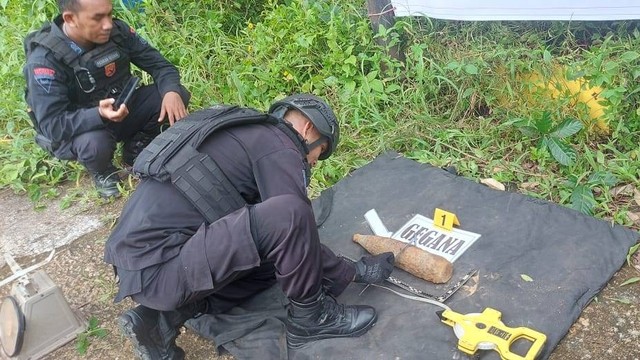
column 569, row 256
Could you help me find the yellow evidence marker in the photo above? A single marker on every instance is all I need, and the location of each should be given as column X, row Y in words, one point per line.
column 485, row 331
column 444, row 219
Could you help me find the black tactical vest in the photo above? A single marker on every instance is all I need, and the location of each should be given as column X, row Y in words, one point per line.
column 99, row 73
column 173, row 156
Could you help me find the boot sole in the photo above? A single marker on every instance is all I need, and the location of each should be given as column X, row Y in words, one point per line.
column 299, row 341
column 110, row 196
column 125, row 323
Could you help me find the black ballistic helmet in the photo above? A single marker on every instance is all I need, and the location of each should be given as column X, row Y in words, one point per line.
column 320, row 114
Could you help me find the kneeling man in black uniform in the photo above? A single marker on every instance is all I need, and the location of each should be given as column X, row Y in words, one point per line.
column 223, row 214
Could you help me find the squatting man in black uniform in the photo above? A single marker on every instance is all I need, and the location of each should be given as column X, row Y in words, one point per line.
column 176, row 264
column 76, row 67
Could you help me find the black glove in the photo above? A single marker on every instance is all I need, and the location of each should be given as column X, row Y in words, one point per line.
column 374, row 269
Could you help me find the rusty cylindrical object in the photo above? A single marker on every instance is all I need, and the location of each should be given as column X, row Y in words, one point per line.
column 413, row 260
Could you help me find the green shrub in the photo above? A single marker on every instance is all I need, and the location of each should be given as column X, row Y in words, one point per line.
column 451, row 102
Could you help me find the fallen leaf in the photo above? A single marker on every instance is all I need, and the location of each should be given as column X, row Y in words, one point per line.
column 622, row 190
column 584, row 322
column 493, row 183
column 636, row 196
column 634, row 217
column 529, row 185
column 630, row 281
column 526, row 277
column 636, row 262
column 623, row 300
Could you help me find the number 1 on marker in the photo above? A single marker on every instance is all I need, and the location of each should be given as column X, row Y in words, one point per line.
column 445, row 219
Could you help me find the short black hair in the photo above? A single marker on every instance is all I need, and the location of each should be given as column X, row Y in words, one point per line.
column 68, row 5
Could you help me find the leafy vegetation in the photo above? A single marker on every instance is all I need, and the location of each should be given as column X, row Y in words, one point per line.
column 552, row 138
column 458, row 98
column 93, row 331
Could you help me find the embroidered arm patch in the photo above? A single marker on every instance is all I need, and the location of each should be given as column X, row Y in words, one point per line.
column 44, row 76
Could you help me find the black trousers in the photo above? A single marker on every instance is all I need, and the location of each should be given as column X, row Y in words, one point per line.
column 95, row 149
column 236, row 257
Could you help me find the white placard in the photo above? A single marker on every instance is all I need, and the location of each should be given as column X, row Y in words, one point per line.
column 448, row 244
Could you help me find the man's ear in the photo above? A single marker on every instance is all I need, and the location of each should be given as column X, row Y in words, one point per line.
column 307, row 129
column 69, row 17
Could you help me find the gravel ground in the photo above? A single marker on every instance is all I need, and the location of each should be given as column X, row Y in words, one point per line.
column 609, row 327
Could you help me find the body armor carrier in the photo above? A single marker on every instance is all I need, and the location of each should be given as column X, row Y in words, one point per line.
column 99, row 73
column 173, row 156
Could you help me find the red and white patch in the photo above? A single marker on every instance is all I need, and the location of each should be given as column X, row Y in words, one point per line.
column 110, row 69
column 44, row 77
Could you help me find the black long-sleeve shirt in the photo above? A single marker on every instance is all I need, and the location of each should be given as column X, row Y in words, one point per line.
column 259, row 160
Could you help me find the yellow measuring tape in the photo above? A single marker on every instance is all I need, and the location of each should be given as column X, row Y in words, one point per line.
column 485, row 331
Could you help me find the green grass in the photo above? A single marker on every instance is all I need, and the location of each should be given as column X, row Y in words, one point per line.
column 456, row 100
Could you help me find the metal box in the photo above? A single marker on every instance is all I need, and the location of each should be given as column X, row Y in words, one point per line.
column 49, row 322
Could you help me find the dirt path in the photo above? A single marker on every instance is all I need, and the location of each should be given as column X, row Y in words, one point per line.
column 609, row 327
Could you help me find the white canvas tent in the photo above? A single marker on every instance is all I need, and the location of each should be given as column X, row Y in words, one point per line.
column 567, row 10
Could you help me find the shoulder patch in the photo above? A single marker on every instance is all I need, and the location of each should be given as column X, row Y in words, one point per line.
column 44, row 76
column 140, row 38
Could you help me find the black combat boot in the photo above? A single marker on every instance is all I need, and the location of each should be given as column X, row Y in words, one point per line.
column 153, row 333
column 321, row 317
column 106, row 182
column 133, row 147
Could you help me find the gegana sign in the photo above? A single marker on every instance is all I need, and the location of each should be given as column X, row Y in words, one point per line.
column 436, row 240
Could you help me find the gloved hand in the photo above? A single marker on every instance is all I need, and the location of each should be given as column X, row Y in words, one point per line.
column 374, row 269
